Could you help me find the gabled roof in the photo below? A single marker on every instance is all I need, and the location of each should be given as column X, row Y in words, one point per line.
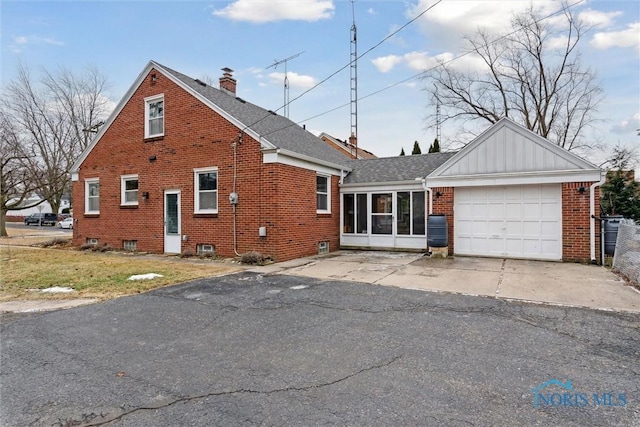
column 274, row 132
column 506, row 148
column 394, row 169
column 346, row 147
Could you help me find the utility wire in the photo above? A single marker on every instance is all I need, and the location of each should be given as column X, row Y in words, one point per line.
column 563, row 9
column 350, row 62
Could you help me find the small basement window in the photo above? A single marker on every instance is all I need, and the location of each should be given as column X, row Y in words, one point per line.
column 130, row 245
column 323, row 247
column 205, row 249
column 91, row 241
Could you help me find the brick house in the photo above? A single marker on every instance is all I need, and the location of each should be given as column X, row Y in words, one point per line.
column 181, row 166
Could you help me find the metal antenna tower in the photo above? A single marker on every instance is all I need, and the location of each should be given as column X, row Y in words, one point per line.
column 286, row 79
column 438, row 125
column 354, row 82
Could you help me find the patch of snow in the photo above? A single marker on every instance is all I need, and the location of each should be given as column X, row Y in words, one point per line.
column 298, row 287
column 57, row 289
column 147, row 276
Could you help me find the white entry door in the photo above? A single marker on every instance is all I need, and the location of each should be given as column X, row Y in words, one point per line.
column 512, row 221
column 172, row 236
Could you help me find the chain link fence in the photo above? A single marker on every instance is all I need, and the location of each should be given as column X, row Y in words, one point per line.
column 626, row 259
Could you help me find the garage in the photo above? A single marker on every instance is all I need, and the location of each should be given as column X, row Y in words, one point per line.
column 511, row 193
column 517, row 221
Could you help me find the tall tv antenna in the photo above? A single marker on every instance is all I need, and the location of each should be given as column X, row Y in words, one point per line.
column 438, row 122
column 354, row 82
column 286, row 79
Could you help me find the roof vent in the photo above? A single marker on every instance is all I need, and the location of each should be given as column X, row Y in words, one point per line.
column 241, row 100
column 200, row 82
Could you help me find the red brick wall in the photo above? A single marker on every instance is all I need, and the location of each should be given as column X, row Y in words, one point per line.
column 281, row 198
column 576, row 222
column 443, row 204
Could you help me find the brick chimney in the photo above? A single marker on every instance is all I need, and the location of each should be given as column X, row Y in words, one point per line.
column 227, row 82
column 353, row 146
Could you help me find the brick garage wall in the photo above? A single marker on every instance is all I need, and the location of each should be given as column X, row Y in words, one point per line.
column 269, row 195
column 576, row 216
column 444, row 205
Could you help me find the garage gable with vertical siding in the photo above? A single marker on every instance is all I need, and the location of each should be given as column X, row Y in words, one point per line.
column 511, row 192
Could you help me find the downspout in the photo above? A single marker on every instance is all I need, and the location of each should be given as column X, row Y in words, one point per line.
column 235, row 166
column 430, row 191
column 592, row 218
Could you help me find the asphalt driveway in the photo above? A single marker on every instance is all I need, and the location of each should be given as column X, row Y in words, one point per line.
column 261, row 349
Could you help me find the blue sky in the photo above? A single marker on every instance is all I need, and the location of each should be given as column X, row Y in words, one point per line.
column 199, row 38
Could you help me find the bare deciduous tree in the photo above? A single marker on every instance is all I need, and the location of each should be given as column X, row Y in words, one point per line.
column 533, row 76
column 16, row 183
column 53, row 116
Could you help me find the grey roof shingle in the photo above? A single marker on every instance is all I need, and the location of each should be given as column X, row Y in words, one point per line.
column 278, row 130
column 395, row 169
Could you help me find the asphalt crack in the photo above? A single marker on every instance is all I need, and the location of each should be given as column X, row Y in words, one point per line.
column 106, row 420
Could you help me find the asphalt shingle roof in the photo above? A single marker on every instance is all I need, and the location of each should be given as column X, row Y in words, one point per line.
column 395, row 169
column 278, row 130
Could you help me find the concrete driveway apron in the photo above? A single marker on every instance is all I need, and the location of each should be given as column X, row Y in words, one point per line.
column 536, row 281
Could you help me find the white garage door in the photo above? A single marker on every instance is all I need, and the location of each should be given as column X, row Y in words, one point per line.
column 512, row 221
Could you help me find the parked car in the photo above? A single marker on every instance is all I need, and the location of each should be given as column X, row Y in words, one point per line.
column 41, row 219
column 66, row 223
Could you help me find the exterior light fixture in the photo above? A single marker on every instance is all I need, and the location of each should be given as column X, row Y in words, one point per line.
column 581, row 190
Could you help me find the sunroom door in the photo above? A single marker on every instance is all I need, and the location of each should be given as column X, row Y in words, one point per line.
column 382, row 220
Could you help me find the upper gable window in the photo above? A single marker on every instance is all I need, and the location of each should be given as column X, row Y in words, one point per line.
column 154, row 116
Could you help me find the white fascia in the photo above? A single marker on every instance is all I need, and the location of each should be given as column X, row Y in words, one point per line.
column 285, row 157
column 515, row 178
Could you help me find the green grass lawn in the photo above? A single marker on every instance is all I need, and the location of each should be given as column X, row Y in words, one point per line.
column 90, row 274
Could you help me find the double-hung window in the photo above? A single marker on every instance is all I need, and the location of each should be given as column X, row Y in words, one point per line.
column 323, row 186
column 129, row 190
column 154, row 116
column 92, row 196
column 205, row 190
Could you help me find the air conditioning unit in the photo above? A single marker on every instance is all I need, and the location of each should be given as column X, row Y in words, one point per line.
column 323, row 247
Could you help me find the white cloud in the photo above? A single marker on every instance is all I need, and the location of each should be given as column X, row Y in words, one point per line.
column 422, row 61
column 384, row 64
column 450, row 21
column 261, row 11
column 371, row 11
column 597, row 18
column 21, row 42
column 626, row 126
column 295, row 80
column 624, row 38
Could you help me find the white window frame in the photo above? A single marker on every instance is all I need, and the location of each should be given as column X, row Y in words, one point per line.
column 196, row 190
column 147, row 102
column 328, row 194
column 123, row 190
column 87, row 183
